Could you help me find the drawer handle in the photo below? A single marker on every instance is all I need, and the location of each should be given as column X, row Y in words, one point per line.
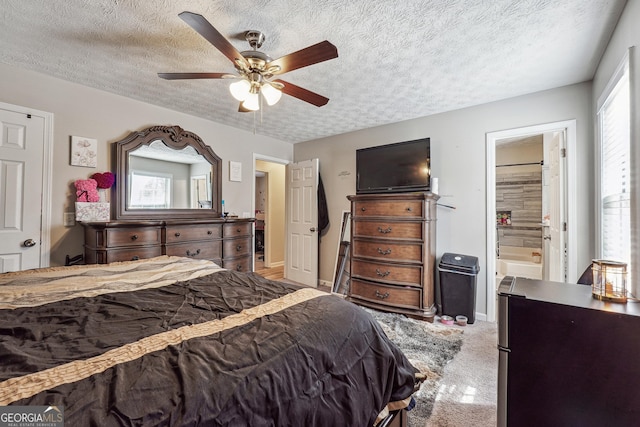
column 388, row 230
column 135, row 258
column 239, row 267
column 189, row 253
column 381, row 274
column 209, row 232
column 134, row 237
column 363, row 209
column 239, row 248
column 238, row 230
column 409, row 209
column 381, row 252
column 382, row 296
column 177, row 234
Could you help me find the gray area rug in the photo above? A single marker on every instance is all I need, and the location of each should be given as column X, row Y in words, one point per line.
column 429, row 347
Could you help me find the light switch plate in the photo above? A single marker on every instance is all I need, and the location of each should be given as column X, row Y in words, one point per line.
column 69, row 219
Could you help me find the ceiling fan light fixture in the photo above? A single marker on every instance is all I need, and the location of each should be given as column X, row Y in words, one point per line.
column 270, row 93
column 240, row 89
column 255, row 68
column 252, row 102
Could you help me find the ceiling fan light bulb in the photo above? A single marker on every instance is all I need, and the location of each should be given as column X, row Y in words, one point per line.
column 270, row 93
column 252, row 102
column 240, row 89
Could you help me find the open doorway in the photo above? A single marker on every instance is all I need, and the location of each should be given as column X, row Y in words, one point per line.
column 512, row 172
column 529, row 210
column 269, row 211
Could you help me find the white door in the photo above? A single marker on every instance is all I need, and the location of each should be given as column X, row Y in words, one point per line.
column 301, row 262
column 22, row 141
column 555, row 259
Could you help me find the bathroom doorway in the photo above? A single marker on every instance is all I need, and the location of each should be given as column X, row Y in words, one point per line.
column 530, row 183
column 521, row 208
column 530, row 212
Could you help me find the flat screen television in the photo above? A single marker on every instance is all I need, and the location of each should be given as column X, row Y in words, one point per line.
column 394, row 168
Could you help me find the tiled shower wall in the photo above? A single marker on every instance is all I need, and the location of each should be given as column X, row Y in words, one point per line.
column 520, row 193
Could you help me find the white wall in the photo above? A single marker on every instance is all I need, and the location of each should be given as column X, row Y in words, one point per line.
column 626, row 35
column 82, row 111
column 458, row 160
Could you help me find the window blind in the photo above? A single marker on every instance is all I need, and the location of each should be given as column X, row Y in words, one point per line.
column 615, row 156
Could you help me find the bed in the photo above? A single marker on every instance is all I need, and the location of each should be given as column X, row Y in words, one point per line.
column 182, row 342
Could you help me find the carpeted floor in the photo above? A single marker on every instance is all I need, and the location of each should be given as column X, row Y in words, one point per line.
column 468, row 393
column 461, row 362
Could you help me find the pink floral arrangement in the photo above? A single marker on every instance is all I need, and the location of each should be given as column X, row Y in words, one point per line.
column 104, row 180
column 87, row 190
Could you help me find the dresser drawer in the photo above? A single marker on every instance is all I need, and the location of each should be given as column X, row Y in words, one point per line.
column 391, row 251
column 185, row 233
column 394, row 208
column 388, row 229
column 237, row 229
column 409, row 275
column 387, row 295
column 244, row 264
column 127, row 254
column 236, row 247
column 133, row 237
column 197, row 249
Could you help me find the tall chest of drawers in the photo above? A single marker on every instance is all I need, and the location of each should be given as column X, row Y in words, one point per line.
column 393, row 252
column 226, row 242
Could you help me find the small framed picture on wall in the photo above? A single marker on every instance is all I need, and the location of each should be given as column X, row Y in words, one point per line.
column 235, row 171
column 84, row 152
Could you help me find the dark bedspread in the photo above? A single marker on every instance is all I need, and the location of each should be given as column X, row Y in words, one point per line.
column 226, row 348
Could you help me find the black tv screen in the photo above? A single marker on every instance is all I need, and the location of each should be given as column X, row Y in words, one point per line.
column 403, row 166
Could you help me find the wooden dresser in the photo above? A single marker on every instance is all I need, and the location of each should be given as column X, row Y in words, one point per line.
column 393, row 252
column 226, row 242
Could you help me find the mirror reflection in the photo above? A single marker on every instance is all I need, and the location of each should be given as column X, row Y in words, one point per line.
column 161, row 177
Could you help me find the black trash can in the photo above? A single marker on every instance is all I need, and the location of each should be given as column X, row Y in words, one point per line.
column 458, row 277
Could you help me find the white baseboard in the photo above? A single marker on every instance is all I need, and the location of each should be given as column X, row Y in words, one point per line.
column 325, row 283
column 481, row 316
column 275, row 264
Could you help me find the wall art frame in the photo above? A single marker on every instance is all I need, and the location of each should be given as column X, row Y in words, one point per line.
column 84, row 152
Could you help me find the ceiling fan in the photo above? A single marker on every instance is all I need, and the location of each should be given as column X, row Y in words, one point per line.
column 256, row 69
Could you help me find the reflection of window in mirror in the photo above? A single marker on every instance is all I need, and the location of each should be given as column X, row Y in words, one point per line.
column 153, row 161
column 150, row 190
column 199, row 194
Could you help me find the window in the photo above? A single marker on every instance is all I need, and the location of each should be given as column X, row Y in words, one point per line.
column 614, row 121
column 150, row 190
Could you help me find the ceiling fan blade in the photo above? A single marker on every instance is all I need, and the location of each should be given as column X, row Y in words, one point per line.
column 178, row 76
column 320, row 52
column 213, row 36
column 303, row 94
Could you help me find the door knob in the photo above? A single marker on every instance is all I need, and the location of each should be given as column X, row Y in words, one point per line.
column 546, row 237
column 312, row 229
column 28, row 243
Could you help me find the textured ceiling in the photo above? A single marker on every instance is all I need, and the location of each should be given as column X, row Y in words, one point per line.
column 398, row 60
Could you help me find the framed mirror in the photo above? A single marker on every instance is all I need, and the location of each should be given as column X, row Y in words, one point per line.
column 166, row 172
